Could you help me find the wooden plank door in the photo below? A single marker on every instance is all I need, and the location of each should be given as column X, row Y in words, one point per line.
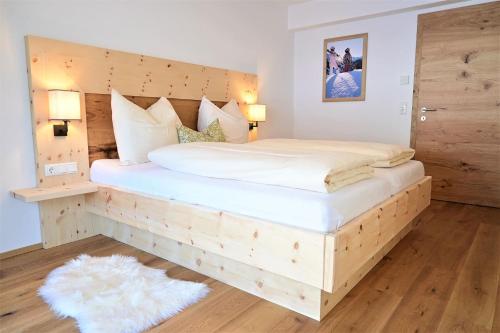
column 456, row 105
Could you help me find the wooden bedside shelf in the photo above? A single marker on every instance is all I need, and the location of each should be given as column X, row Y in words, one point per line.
column 46, row 193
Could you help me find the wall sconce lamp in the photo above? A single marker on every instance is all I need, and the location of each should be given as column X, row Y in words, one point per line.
column 256, row 113
column 64, row 105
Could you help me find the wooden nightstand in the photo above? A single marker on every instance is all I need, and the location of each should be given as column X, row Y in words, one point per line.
column 36, row 194
column 63, row 215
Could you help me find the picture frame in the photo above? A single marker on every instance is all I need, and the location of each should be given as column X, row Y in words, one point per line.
column 344, row 68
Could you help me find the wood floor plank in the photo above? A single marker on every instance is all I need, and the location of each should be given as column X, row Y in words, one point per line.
column 40, row 270
column 450, row 250
column 263, row 316
column 225, row 304
column 496, row 321
column 38, row 257
column 444, row 276
column 22, row 301
column 399, row 268
column 369, row 312
column 293, row 322
column 343, row 308
column 472, row 304
column 421, row 308
column 488, row 215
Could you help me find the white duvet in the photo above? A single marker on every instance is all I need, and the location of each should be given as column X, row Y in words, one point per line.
column 385, row 155
column 319, row 171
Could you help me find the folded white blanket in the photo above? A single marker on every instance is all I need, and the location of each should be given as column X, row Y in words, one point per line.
column 289, row 167
column 385, row 155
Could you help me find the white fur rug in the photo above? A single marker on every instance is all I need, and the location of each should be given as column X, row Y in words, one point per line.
column 116, row 294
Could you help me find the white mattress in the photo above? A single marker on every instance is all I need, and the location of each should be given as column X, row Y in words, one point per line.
column 321, row 212
column 401, row 176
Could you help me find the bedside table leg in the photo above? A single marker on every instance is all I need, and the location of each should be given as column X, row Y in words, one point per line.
column 64, row 220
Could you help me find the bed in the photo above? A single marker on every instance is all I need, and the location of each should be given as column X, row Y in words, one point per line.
column 306, row 264
column 300, row 249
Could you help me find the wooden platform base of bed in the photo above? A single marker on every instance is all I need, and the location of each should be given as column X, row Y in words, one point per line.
column 302, row 298
column 305, row 271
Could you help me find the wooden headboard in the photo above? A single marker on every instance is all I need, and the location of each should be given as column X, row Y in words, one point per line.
column 101, row 138
column 94, row 71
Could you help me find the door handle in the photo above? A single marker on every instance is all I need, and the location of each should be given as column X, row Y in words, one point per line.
column 424, row 109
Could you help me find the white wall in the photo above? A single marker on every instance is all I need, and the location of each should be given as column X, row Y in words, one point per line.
column 391, row 54
column 251, row 37
column 321, row 12
column 19, row 224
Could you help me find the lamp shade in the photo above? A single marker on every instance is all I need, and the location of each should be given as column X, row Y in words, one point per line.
column 64, row 105
column 257, row 112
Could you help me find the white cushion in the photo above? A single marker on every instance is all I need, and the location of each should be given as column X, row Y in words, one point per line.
column 138, row 131
column 233, row 123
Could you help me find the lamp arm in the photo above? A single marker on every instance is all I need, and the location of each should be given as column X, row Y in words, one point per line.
column 61, row 130
column 252, row 125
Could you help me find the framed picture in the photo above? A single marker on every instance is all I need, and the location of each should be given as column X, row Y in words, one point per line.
column 344, row 68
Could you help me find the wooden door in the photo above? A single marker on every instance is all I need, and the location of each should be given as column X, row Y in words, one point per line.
column 456, row 105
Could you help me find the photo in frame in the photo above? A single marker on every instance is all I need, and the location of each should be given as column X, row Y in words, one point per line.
column 344, row 68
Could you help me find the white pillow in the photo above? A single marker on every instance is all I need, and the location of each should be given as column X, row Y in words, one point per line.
column 139, row 131
column 233, row 123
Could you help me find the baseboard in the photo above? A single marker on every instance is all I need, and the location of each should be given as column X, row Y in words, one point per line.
column 22, row 250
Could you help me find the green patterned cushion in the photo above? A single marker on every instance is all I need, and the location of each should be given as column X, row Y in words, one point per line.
column 213, row 133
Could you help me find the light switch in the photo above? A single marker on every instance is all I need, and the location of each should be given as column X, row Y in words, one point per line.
column 403, row 108
column 404, row 80
column 60, row 169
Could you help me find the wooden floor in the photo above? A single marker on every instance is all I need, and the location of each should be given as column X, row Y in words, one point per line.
column 444, row 276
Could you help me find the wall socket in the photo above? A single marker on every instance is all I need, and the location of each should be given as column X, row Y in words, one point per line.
column 60, row 168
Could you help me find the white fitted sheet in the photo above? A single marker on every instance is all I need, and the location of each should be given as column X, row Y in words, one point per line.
column 321, row 212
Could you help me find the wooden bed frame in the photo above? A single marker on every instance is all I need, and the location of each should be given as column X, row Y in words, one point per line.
column 308, row 272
